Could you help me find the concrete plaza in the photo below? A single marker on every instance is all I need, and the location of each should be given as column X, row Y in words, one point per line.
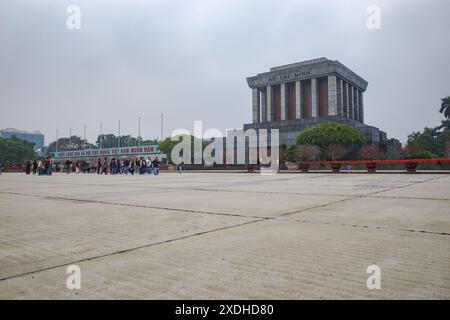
column 225, row 236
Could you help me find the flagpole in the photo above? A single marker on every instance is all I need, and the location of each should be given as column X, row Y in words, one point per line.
column 118, row 137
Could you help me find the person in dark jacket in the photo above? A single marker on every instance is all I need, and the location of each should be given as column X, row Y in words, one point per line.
column 99, row 165
column 132, row 166
column 28, row 167
column 113, row 166
column 155, row 164
column 35, row 165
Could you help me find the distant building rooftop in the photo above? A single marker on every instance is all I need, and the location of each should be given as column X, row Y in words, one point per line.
column 35, row 137
column 14, row 130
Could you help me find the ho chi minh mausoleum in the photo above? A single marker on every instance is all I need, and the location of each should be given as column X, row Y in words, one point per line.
column 300, row 95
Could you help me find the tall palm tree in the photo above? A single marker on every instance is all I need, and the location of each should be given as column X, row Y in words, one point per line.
column 445, row 124
column 432, row 132
column 412, row 137
column 445, row 107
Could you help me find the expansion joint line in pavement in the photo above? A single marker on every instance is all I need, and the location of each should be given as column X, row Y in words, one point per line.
column 132, row 205
column 349, row 197
column 131, row 249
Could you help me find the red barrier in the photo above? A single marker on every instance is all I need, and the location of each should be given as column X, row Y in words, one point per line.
column 410, row 164
column 343, row 162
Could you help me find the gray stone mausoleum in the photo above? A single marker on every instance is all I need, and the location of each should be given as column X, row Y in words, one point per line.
column 296, row 96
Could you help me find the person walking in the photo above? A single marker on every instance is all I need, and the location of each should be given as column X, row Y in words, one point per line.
column 99, row 165
column 46, row 166
column 148, row 164
column 105, row 167
column 40, row 167
column 180, row 167
column 28, row 167
column 143, row 165
column 68, row 166
column 119, row 166
column 35, row 166
column 126, row 164
column 132, row 166
column 138, row 166
column 155, row 164
column 50, row 166
column 112, row 171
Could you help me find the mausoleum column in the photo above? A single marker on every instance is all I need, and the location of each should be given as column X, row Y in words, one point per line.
column 345, row 99
column 263, row 106
column 332, row 96
column 340, row 98
column 314, row 100
column 298, row 100
column 356, row 106
column 350, row 101
column 361, row 107
column 283, row 101
column 269, row 104
column 256, row 105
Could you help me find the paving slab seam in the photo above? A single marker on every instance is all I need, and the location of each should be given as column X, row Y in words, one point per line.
column 321, row 194
column 370, row 227
column 280, row 217
column 132, row 205
column 130, row 249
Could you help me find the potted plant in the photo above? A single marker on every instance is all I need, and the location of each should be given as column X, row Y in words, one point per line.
column 412, row 150
column 373, row 153
column 290, row 157
column 306, row 152
column 335, row 152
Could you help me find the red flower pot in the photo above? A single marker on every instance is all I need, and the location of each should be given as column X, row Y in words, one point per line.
column 411, row 166
column 371, row 167
column 336, row 167
column 304, row 167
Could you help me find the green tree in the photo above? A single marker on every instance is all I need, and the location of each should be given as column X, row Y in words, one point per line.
column 428, row 140
column 432, row 141
column 330, row 133
column 107, row 141
column 72, row 143
column 167, row 145
column 16, row 151
column 113, row 141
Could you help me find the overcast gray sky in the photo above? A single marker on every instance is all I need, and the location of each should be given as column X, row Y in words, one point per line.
column 189, row 59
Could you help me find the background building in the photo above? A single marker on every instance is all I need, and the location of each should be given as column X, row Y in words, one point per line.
column 35, row 136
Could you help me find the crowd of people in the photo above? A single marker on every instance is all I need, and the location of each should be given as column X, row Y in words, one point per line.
column 115, row 166
column 41, row 166
column 45, row 166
